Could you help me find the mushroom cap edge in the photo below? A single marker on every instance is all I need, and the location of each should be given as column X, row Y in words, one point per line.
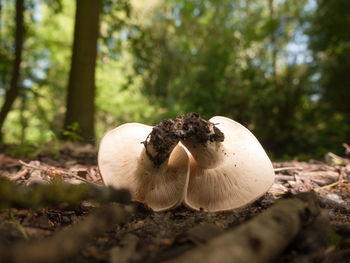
column 123, row 164
column 245, row 175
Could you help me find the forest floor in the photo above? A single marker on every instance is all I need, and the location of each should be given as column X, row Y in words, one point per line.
column 148, row 236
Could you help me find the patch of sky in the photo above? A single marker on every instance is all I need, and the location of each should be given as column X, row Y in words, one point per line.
column 311, row 5
column 124, row 34
column 44, row 63
column 116, row 56
column 176, row 14
column 315, row 97
column 38, row 12
column 316, row 77
column 39, row 73
column 178, row 22
column 179, row 5
column 234, row 5
column 256, row 62
column 176, row 11
column 243, row 4
column 229, row 22
column 46, row 53
column 196, row 11
column 297, row 49
column 315, row 86
column 106, row 8
column 27, row 83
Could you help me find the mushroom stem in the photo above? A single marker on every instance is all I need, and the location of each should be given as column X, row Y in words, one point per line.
column 203, row 140
column 161, row 141
column 206, row 155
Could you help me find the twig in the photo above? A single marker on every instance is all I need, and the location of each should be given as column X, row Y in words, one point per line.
column 29, row 165
column 320, row 174
column 335, row 158
column 284, row 177
column 288, row 168
column 330, row 185
column 83, row 179
column 277, row 193
column 18, row 175
column 66, row 243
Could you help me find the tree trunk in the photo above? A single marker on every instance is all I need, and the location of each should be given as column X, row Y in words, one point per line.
column 0, row 19
column 273, row 40
column 81, row 87
column 13, row 91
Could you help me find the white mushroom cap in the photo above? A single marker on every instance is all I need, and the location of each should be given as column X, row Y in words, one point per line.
column 123, row 163
column 229, row 174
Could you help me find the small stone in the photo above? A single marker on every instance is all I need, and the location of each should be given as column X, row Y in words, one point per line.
column 336, row 198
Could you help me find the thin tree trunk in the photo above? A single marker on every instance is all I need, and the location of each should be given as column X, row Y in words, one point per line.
column 0, row 19
column 23, row 119
column 81, row 87
column 13, row 91
column 273, row 41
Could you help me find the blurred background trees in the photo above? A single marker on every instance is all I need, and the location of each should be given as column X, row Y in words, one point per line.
column 14, row 87
column 279, row 67
column 330, row 44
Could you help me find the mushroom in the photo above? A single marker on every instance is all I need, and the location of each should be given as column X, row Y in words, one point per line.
column 150, row 163
column 229, row 167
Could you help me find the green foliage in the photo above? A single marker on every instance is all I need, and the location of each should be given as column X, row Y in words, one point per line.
column 159, row 59
column 71, row 133
column 18, row 225
column 231, row 58
column 330, row 41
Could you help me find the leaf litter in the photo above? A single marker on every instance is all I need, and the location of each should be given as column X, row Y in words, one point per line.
column 145, row 236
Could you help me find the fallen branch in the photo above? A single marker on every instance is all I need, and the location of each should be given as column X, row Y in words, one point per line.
column 56, row 194
column 69, row 241
column 280, row 169
column 330, row 185
column 262, row 238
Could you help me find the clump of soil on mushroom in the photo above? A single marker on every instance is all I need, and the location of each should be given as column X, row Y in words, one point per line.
column 198, row 129
column 162, row 138
column 184, row 127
